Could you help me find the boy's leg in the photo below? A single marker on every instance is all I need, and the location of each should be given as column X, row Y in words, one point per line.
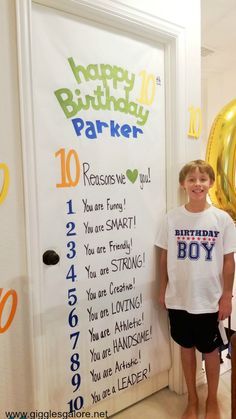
column 188, row 357
column 212, row 364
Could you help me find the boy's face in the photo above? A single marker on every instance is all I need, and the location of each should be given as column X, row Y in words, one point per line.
column 197, row 185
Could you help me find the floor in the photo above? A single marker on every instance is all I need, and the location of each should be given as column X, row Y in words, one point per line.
column 168, row 405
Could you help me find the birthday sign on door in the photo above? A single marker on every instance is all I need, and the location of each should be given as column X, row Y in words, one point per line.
column 100, row 145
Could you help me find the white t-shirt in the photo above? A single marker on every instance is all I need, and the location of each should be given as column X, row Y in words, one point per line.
column 196, row 244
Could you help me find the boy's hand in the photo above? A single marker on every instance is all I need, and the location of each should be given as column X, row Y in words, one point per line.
column 163, row 278
column 225, row 306
column 225, row 303
column 161, row 301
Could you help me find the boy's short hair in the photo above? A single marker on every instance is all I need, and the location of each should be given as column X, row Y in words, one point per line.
column 203, row 167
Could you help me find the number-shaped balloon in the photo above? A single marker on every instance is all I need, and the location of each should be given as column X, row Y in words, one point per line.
column 221, row 154
column 6, row 180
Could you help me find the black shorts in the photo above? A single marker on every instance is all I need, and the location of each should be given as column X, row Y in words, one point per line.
column 195, row 330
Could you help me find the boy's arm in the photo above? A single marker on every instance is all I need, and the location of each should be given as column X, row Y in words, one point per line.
column 225, row 303
column 163, row 278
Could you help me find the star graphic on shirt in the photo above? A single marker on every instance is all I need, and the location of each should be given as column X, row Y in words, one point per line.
column 208, row 239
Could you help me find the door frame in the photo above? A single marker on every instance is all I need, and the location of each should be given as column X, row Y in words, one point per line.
column 132, row 20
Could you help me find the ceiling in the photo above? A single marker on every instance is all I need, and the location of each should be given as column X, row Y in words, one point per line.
column 218, row 35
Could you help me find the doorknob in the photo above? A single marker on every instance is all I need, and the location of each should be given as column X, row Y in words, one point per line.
column 50, row 257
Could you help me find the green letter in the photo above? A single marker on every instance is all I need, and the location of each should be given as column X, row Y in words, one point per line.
column 78, row 69
column 69, row 107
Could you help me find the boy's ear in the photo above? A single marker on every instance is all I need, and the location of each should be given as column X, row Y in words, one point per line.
column 212, row 183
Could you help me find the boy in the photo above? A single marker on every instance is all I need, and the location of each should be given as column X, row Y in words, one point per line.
column 196, row 280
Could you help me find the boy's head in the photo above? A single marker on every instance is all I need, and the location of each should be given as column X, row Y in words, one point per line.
column 190, row 167
column 196, row 178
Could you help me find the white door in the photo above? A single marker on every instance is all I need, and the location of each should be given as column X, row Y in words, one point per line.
column 99, row 141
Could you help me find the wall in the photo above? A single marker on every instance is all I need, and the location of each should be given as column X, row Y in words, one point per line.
column 15, row 362
column 15, row 354
column 219, row 90
column 186, row 14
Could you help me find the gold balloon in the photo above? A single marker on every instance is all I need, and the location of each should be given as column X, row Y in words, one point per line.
column 221, row 155
column 6, row 180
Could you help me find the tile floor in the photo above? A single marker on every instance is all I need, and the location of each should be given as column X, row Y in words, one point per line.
column 166, row 404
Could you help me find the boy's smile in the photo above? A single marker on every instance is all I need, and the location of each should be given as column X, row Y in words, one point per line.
column 197, row 185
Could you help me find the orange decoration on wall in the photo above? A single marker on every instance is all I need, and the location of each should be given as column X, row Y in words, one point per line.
column 11, row 293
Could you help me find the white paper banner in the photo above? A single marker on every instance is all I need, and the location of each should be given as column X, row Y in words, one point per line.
column 100, row 144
